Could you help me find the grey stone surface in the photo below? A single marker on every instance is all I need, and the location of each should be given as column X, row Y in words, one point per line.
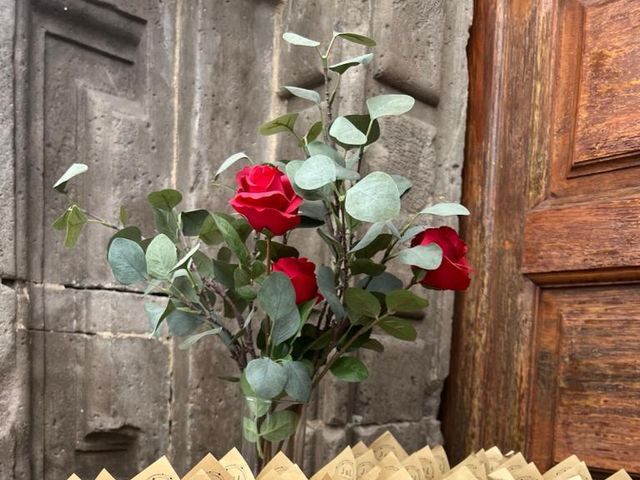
column 154, row 95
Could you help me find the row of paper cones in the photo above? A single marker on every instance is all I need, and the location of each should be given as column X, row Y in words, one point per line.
column 384, row 459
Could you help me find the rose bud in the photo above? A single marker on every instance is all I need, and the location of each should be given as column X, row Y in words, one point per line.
column 453, row 273
column 266, row 199
column 302, row 274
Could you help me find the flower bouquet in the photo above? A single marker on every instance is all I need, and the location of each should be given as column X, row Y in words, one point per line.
column 237, row 275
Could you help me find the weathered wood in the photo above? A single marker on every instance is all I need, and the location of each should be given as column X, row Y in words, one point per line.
column 544, row 352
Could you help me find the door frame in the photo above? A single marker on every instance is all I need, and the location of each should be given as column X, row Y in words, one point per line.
column 487, row 396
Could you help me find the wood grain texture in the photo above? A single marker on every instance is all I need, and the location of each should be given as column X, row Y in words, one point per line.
column 596, row 92
column 547, row 235
column 583, row 236
column 587, row 376
column 505, row 174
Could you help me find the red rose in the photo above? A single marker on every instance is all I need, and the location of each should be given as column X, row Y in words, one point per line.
column 302, row 274
column 266, row 199
column 453, row 272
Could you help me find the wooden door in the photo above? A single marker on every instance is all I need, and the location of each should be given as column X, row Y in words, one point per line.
column 546, row 349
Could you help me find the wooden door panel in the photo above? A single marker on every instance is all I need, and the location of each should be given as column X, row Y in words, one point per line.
column 551, row 323
column 587, row 377
column 596, row 96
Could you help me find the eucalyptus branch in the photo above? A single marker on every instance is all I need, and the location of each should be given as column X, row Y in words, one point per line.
column 95, row 219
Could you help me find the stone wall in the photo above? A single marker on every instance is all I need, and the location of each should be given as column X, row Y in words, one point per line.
column 155, row 93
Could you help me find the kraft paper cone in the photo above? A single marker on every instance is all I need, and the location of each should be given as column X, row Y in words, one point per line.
column 104, row 475
column 236, row 465
column 364, row 463
column 401, row 474
column 389, row 465
column 210, row 466
column 578, row 470
column 528, row 472
column 372, row 474
column 200, row 475
column 442, row 459
column 293, row 473
column 461, row 473
column 386, row 443
column 501, row 474
column 620, row 475
column 359, row 449
column 473, row 463
column 494, row 457
column 413, row 466
column 343, row 467
column 430, row 468
column 514, row 463
column 160, row 467
column 74, row 477
column 560, row 468
column 280, row 463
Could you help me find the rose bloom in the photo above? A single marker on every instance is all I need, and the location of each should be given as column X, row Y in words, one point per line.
column 266, row 199
column 453, row 273
column 302, row 274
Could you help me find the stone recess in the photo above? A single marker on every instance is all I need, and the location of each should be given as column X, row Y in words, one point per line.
column 155, row 95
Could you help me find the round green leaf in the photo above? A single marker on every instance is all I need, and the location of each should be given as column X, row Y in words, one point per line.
column 183, row 323
column 249, row 430
column 232, row 238
column 373, row 199
column 315, row 172
column 305, row 94
column 194, row 338
column 399, row 328
column 266, row 377
column 346, row 132
column 72, row 171
column 349, row 369
column 352, row 62
column 165, row 199
column 394, row 104
column 236, row 157
column 404, row 301
column 283, row 123
column 361, row 303
column 446, row 209
column 298, row 384
column 327, row 287
column 279, row 425
column 356, row 38
column 127, row 261
column 295, row 39
column 161, row 257
column 278, row 299
column 428, row 257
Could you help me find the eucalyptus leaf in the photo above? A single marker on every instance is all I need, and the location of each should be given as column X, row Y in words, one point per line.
column 156, row 314
column 266, row 377
column 165, row 199
column 198, row 336
column 74, row 170
column 75, row 221
column 291, row 170
column 371, row 234
column 161, row 257
column 327, row 287
column 315, row 172
column 384, row 283
column 295, row 39
column 428, row 256
column 349, row 369
column 403, row 183
column 279, row 425
column 399, row 328
column 402, row 300
column 361, row 303
column 346, row 132
column 412, row 232
column 305, row 94
column 257, row 406
column 250, row 430
column 314, row 132
column 373, row 344
column 232, row 238
column 373, row 199
column 352, row 62
column 393, row 104
column 182, row 323
column 368, row 128
column 356, row 38
column 284, row 123
column 367, row 266
column 298, row 384
column 278, row 299
column 446, row 209
column 123, row 215
column 319, row 148
column 127, row 261
column 236, row 157
column 186, row 257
